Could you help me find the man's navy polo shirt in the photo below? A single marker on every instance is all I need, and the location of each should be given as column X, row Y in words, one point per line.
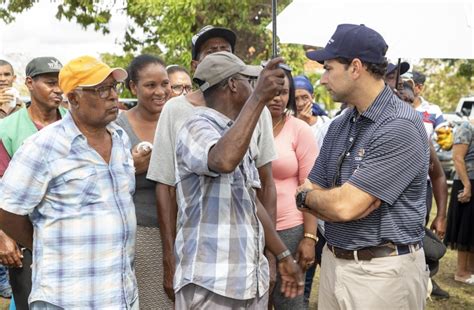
column 386, row 155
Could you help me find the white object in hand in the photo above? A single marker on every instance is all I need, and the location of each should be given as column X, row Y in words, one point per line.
column 15, row 93
column 144, row 146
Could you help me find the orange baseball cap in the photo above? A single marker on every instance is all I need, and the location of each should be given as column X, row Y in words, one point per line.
column 87, row 71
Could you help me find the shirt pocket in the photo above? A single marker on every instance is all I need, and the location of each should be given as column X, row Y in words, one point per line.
column 75, row 188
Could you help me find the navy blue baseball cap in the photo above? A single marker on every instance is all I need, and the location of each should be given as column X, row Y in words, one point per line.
column 353, row 41
column 404, row 67
column 208, row 32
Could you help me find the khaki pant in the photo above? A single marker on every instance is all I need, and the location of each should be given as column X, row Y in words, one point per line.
column 394, row 282
column 194, row 297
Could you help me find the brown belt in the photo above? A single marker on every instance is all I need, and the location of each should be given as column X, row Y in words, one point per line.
column 384, row 250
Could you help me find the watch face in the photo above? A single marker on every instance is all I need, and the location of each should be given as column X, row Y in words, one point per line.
column 300, row 198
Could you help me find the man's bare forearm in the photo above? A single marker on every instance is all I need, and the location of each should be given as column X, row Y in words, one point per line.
column 267, row 193
column 18, row 227
column 167, row 213
column 440, row 186
column 228, row 152
column 272, row 240
column 340, row 204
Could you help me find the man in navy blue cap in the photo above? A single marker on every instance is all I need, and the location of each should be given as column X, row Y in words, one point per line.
column 368, row 182
column 391, row 75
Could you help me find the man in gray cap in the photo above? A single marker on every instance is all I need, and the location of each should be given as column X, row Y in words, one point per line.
column 162, row 163
column 222, row 226
column 42, row 83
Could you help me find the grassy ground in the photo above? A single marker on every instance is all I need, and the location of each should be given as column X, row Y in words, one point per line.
column 462, row 295
column 4, row 304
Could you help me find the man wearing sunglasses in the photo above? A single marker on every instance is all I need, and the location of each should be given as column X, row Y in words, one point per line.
column 368, row 183
column 162, row 163
column 73, row 182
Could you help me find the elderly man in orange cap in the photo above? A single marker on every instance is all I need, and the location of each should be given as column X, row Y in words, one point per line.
column 67, row 194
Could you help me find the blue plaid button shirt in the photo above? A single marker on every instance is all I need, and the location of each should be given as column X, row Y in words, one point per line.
column 219, row 243
column 82, row 213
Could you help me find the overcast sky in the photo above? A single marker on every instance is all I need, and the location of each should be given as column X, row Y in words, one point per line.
column 37, row 32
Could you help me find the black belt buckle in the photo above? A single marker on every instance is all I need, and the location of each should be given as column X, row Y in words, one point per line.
column 406, row 249
column 403, row 249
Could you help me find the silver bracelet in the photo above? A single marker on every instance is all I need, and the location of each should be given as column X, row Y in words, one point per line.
column 283, row 255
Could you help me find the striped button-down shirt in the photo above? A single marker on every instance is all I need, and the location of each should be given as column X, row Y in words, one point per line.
column 384, row 152
column 220, row 240
column 82, row 213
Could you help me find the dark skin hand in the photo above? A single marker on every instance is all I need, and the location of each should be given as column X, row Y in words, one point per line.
column 10, row 254
column 228, row 152
column 305, row 255
column 292, row 280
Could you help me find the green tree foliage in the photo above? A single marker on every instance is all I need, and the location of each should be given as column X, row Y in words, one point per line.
column 165, row 28
column 447, row 81
column 170, row 24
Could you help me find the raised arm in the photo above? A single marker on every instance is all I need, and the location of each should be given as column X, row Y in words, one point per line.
column 226, row 155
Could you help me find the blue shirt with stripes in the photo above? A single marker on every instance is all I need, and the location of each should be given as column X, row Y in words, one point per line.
column 384, row 152
column 83, row 215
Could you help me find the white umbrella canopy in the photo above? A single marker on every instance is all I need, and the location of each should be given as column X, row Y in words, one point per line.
column 411, row 28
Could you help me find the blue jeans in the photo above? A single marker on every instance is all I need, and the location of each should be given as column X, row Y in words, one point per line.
column 4, row 282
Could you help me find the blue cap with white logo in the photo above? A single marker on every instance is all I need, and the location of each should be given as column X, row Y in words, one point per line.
column 353, row 41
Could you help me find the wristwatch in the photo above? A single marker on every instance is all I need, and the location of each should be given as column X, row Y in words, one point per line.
column 301, row 199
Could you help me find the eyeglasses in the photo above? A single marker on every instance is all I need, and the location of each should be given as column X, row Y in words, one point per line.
column 105, row 90
column 178, row 89
column 252, row 80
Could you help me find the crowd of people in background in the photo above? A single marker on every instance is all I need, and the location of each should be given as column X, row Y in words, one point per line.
column 226, row 187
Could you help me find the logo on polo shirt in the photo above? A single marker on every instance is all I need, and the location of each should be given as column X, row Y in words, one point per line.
column 360, row 155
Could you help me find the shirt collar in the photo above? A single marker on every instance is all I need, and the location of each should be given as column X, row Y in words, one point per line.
column 378, row 107
column 72, row 132
column 219, row 119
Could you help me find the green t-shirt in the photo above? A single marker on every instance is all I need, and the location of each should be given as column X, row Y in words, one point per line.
column 17, row 127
